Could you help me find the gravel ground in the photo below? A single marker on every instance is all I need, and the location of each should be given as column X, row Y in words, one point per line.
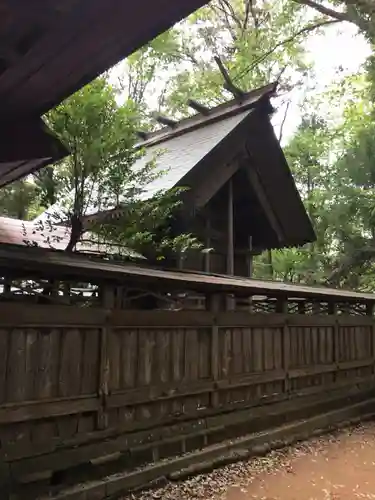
column 338, row 466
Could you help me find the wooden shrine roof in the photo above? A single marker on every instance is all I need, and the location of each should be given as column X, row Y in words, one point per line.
column 54, row 237
column 197, row 151
column 45, row 263
column 26, row 145
column 181, row 148
column 52, row 48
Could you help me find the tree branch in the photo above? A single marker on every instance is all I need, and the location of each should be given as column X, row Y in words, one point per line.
column 337, row 15
column 306, row 29
column 283, row 122
column 326, row 11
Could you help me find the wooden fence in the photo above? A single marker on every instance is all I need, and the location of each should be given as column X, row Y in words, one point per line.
column 84, row 381
column 159, row 382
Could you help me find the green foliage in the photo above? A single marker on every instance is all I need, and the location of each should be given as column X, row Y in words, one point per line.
column 20, row 200
column 98, row 175
column 257, row 43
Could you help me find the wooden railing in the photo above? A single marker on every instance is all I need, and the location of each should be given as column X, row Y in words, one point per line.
column 104, row 373
column 71, row 377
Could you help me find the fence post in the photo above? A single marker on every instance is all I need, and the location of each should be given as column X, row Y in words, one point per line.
column 108, row 300
column 282, row 308
column 213, row 305
column 370, row 312
column 332, row 310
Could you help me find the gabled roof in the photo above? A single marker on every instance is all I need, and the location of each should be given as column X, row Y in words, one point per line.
column 197, row 151
column 179, row 154
column 241, row 127
column 178, row 150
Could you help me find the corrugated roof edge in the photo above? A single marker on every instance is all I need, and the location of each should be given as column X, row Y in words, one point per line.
column 229, row 108
column 44, row 262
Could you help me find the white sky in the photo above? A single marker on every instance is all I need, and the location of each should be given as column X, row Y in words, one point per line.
column 339, row 47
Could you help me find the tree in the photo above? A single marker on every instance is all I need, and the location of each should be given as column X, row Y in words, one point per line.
column 20, row 200
column 308, row 157
column 98, row 175
column 257, row 42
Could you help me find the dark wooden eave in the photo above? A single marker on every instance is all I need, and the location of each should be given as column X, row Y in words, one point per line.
column 46, row 263
column 26, row 145
column 50, row 49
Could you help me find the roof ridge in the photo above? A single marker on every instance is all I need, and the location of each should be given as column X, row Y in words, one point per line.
column 220, row 112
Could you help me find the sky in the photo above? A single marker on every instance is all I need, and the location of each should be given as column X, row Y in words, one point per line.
column 339, row 47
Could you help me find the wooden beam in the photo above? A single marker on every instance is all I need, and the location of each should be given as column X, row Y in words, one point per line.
column 207, row 255
column 263, row 200
column 200, row 108
column 210, row 184
column 164, row 120
column 250, row 257
column 229, row 85
column 142, row 134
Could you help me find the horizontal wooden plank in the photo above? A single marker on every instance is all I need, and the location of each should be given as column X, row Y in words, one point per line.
column 328, row 320
column 63, row 459
column 352, row 383
column 247, row 319
column 12, row 413
column 172, row 319
column 330, row 367
column 173, row 391
column 34, row 410
column 19, row 451
column 21, row 315
column 346, row 320
column 160, row 319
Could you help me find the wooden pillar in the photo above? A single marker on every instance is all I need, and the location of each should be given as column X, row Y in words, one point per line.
column 370, row 313
column 108, row 302
column 332, row 310
column 213, row 305
column 207, row 256
column 282, row 308
column 180, row 261
column 231, row 303
column 230, row 231
column 316, row 307
column 250, row 258
column 250, row 267
column 301, row 307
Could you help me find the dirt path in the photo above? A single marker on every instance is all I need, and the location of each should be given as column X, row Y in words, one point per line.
column 334, row 467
